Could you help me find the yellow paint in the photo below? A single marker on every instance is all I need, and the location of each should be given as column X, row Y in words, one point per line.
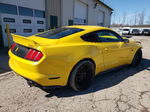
column 61, row 55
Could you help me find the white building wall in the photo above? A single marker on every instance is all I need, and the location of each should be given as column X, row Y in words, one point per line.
column 19, row 25
column 35, row 4
column 67, row 11
column 92, row 12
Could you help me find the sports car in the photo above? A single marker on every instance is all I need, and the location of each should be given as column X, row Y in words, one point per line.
column 71, row 55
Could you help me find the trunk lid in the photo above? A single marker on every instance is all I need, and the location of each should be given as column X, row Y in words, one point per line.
column 28, row 47
column 33, row 41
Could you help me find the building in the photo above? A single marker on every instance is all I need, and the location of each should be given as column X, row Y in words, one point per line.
column 71, row 12
column 23, row 16
column 27, row 17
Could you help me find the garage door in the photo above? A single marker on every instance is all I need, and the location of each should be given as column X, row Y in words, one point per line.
column 80, row 12
column 101, row 16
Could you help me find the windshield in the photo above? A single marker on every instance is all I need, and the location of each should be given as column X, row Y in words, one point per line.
column 136, row 30
column 59, row 33
column 125, row 29
column 146, row 30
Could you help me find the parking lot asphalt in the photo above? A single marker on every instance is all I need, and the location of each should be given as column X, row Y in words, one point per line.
column 126, row 89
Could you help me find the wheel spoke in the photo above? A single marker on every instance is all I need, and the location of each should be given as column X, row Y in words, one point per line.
column 83, row 77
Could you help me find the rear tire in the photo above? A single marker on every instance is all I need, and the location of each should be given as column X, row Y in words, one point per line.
column 137, row 58
column 82, row 76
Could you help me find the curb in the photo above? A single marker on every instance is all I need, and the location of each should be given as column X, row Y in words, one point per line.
column 6, row 73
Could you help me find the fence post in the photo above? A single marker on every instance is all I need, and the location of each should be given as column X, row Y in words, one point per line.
column 8, row 34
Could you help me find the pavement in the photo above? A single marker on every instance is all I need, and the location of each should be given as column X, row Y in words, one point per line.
column 126, row 89
column 4, row 61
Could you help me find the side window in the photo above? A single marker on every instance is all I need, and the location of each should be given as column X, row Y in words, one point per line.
column 91, row 37
column 8, row 9
column 108, row 36
column 25, row 11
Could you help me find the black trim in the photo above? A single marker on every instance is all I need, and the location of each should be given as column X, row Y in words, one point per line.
column 40, row 30
column 38, row 85
column 27, row 21
column 11, row 20
column 54, row 78
column 40, row 22
column 11, row 30
column 1, row 38
column 27, row 30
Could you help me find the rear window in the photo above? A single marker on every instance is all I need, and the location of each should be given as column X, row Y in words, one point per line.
column 59, row 33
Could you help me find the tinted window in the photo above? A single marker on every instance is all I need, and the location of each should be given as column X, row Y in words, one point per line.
column 91, row 37
column 40, row 22
column 12, row 20
column 9, row 9
column 38, row 13
column 136, row 30
column 11, row 30
column 40, row 30
column 26, row 21
column 27, row 30
column 25, row 11
column 146, row 30
column 108, row 36
column 59, row 33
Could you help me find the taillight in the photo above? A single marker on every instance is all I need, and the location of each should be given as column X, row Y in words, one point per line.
column 33, row 55
column 13, row 46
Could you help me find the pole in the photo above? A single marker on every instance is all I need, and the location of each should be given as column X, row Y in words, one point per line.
column 8, row 34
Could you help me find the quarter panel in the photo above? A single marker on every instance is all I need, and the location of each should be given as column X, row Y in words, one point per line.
column 61, row 59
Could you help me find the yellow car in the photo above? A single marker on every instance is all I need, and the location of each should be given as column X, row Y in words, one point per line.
column 71, row 55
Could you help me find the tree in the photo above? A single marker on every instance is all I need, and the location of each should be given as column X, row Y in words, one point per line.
column 135, row 18
column 148, row 20
column 124, row 18
column 141, row 16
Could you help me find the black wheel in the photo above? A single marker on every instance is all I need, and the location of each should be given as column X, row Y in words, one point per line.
column 82, row 76
column 137, row 58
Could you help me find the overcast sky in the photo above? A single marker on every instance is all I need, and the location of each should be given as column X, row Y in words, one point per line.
column 128, row 8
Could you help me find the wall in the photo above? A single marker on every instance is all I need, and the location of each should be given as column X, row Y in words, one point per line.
column 53, row 7
column 92, row 17
column 67, row 11
column 19, row 25
column 35, row 4
column 93, row 13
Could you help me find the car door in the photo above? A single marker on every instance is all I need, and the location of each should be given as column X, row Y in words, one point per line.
column 93, row 41
column 114, row 49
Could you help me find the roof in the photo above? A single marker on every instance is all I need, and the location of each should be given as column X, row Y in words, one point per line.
column 105, row 5
column 87, row 27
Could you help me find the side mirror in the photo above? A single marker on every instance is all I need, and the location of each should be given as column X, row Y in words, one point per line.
column 129, row 36
column 126, row 41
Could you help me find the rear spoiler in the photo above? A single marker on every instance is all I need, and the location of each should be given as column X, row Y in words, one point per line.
column 24, row 41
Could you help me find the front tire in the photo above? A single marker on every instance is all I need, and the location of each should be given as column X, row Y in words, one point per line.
column 137, row 58
column 82, row 76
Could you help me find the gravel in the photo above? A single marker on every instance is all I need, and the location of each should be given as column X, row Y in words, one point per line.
column 126, row 89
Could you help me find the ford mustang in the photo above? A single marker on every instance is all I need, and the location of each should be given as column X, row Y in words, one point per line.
column 71, row 55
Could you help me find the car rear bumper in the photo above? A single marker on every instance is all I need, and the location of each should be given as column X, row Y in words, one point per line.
column 34, row 72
